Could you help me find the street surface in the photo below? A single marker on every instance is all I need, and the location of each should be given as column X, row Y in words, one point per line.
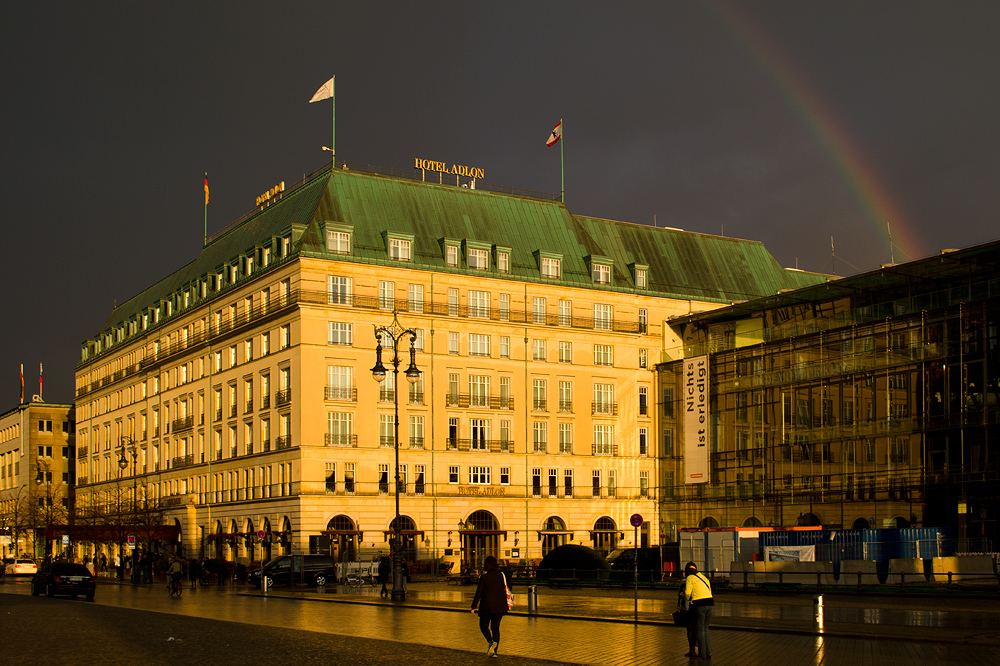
column 344, row 625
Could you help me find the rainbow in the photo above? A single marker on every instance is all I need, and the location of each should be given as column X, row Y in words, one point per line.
column 883, row 212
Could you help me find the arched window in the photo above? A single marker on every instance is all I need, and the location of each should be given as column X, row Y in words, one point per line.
column 752, row 521
column 708, row 521
column 605, row 535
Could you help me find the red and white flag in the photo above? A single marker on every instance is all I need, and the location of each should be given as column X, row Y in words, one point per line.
column 555, row 135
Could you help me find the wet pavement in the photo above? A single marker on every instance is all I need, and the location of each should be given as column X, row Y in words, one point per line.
column 595, row 627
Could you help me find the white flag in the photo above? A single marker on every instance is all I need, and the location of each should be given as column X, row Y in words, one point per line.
column 325, row 92
column 555, row 135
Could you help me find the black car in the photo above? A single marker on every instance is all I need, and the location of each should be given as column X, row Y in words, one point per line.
column 315, row 570
column 64, row 578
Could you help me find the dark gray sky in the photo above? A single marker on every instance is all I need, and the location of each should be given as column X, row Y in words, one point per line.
column 785, row 122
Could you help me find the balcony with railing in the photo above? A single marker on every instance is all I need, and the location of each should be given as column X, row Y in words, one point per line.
column 183, row 423
column 480, row 445
column 386, row 395
column 417, row 443
column 265, row 401
column 605, row 450
column 416, row 397
column 604, row 408
column 182, row 461
column 343, row 441
column 386, row 441
column 282, row 397
column 283, row 442
column 566, row 406
column 480, row 401
column 539, row 404
column 342, row 393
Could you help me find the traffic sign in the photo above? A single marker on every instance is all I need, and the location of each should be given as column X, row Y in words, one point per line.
column 260, row 534
column 635, row 520
column 65, row 539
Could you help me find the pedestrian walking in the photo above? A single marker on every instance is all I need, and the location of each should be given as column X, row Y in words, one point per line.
column 491, row 600
column 684, row 608
column 384, row 571
column 698, row 591
column 406, row 576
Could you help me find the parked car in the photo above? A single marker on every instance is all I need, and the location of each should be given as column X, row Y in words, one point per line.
column 65, row 578
column 21, row 567
column 316, row 570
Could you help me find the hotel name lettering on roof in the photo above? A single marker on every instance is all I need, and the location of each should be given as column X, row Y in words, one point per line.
column 457, row 169
column 280, row 187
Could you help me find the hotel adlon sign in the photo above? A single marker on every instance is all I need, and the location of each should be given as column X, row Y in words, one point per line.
column 454, row 169
column 694, row 398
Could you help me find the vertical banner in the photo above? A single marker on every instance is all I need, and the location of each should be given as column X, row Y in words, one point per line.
column 695, row 394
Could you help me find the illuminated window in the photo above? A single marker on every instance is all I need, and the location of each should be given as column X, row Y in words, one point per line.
column 602, row 274
column 451, row 255
column 551, row 267
column 503, row 262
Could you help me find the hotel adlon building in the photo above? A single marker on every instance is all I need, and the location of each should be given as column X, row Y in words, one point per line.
column 242, row 382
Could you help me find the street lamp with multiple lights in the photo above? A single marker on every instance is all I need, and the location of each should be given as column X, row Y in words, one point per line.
column 128, row 444
column 396, row 332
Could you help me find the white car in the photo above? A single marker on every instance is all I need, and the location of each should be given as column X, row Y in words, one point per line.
column 22, row 567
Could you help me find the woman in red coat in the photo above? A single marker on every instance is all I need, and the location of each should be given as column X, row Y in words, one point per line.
column 491, row 598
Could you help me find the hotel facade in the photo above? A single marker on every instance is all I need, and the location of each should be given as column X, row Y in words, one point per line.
column 235, row 396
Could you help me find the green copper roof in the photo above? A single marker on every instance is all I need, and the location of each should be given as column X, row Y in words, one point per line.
column 680, row 264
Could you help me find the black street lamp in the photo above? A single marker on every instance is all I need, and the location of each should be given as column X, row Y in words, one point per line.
column 46, row 478
column 396, row 332
column 128, row 444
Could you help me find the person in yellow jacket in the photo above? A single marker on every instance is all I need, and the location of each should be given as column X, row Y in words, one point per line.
column 698, row 591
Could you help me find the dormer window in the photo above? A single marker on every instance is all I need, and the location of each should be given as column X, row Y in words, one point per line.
column 502, row 255
column 600, row 268
column 339, row 242
column 399, row 249
column 451, row 255
column 479, row 260
column 639, row 274
column 550, row 265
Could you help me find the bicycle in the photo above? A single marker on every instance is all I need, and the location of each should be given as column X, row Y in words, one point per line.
column 175, row 587
column 357, row 580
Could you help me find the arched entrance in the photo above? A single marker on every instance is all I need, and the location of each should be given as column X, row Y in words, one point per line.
column 860, row 524
column 218, row 539
column 752, row 521
column 250, row 540
column 553, row 534
column 480, row 538
column 708, row 522
column 177, row 544
column 233, row 541
column 265, row 546
column 286, row 536
column 408, row 535
column 344, row 538
column 809, row 520
column 605, row 535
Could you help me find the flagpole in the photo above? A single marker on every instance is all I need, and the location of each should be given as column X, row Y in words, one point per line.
column 333, row 104
column 206, row 209
column 562, row 164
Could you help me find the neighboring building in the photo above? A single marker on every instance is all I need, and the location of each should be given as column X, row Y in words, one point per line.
column 244, row 378
column 869, row 401
column 37, row 449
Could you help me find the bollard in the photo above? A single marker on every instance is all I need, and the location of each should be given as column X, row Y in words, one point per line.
column 818, row 610
column 532, row 600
